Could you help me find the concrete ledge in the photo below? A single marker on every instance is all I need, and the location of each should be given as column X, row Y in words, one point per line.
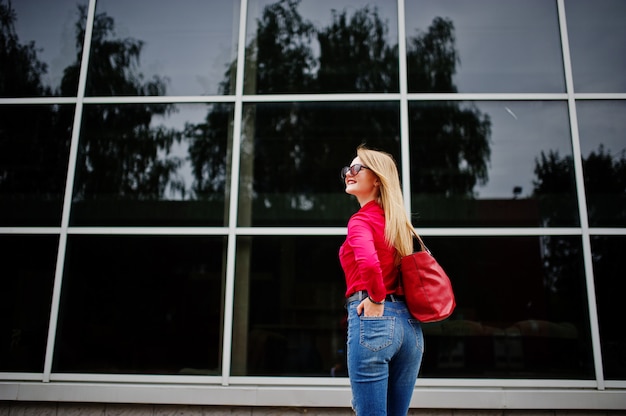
column 308, row 396
column 103, row 409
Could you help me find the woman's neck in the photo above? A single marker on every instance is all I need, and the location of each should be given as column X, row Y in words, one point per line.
column 366, row 201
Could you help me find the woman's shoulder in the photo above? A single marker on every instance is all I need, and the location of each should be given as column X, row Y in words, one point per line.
column 371, row 208
column 370, row 214
column 368, row 210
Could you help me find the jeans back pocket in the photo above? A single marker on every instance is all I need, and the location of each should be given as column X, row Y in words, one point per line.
column 376, row 333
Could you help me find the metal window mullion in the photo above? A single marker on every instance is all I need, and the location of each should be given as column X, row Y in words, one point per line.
column 38, row 100
column 497, row 96
column 229, row 290
column 582, row 200
column 165, row 99
column 67, row 201
column 600, row 96
column 404, row 110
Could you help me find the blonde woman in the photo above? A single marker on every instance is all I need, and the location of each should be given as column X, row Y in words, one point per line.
column 385, row 344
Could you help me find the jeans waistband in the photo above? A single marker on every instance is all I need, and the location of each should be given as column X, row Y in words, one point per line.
column 362, row 294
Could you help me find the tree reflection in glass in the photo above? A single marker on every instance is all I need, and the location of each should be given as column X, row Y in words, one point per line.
column 139, row 168
column 603, row 148
column 288, row 53
column 130, row 162
column 34, row 139
column 33, row 55
column 490, row 46
column 292, row 153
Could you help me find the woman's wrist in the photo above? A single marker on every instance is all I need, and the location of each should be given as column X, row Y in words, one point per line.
column 374, row 302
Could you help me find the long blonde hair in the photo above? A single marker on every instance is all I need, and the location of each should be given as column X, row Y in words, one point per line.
column 399, row 231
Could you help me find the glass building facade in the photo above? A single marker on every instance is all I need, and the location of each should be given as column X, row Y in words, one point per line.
column 171, row 207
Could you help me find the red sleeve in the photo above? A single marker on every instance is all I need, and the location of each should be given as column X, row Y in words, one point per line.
column 361, row 238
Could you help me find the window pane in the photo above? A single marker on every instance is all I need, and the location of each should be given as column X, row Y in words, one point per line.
column 597, row 39
column 163, row 47
column 601, row 127
column 40, row 44
column 34, row 152
column 521, row 310
column 153, row 164
column 321, row 46
column 608, row 269
column 292, row 154
column 25, row 299
column 289, row 316
column 504, row 163
column 531, row 324
column 483, row 46
column 141, row 304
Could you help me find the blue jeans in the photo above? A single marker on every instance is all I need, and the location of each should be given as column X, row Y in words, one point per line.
column 384, row 357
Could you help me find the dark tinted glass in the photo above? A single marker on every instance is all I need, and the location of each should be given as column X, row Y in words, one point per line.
column 597, row 39
column 41, row 47
column 483, row 46
column 163, row 47
column 141, row 304
column 521, row 310
column 289, row 316
column 34, row 151
column 500, row 163
column 28, row 266
column 527, row 321
column 292, row 154
column 608, row 268
column 152, row 164
column 603, row 147
column 321, row 46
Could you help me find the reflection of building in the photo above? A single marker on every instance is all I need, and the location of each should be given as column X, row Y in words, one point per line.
column 170, row 208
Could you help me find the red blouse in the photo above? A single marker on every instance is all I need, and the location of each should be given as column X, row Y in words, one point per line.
column 367, row 260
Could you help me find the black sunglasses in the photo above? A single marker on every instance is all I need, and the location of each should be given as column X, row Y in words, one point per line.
column 354, row 170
